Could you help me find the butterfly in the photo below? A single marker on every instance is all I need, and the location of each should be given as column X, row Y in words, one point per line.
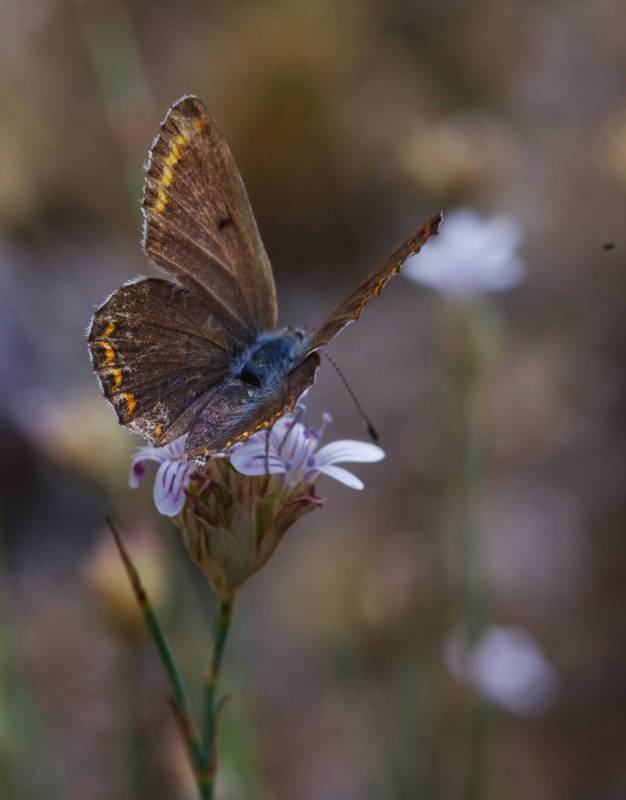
column 201, row 353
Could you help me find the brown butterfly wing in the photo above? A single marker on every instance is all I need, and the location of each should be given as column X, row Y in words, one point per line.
column 237, row 410
column 159, row 354
column 372, row 286
column 199, row 225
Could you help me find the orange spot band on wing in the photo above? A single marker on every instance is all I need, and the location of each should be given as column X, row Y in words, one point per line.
column 161, row 201
column 108, row 331
column 259, row 427
column 116, row 374
column 109, row 352
column 131, row 402
column 167, row 176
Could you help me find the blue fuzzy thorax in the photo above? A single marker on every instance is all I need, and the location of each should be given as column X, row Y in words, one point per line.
column 270, row 358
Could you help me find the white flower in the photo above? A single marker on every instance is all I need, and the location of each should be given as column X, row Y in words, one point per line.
column 231, row 518
column 293, row 450
column 172, row 477
column 471, row 255
column 507, row 667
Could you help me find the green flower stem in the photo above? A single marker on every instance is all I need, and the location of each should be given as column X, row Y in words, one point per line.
column 180, row 698
column 129, row 708
column 211, row 706
column 120, row 74
column 469, row 375
column 471, row 367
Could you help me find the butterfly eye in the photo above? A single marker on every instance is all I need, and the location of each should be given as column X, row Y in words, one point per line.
column 248, row 375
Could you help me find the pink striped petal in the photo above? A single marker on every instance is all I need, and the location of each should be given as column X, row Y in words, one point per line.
column 252, row 459
column 171, row 480
column 138, row 465
column 171, row 452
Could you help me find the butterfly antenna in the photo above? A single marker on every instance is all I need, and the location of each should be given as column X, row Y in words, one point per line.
column 371, row 430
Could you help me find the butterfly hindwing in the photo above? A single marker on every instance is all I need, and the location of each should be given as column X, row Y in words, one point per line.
column 351, row 308
column 158, row 353
column 237, row 411
column 199, row 225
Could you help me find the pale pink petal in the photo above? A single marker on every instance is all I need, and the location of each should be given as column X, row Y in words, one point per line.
column 171, row 480
column 293, row 444
column 348, row 450
column 279, row 431
column 252, row 459
column 173, row 450
column 342, row 475
column 138, row 464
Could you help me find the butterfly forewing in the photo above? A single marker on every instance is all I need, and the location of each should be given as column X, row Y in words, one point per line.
column 199, row 225
column 372, row 286
column 158, row 353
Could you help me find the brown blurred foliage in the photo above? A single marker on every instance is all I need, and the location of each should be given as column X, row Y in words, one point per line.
column 351, row 122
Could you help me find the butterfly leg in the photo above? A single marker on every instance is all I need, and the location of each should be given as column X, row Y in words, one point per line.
column 300, row 409
column 267, row 451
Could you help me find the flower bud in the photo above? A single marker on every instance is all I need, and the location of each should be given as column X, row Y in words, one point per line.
column 232, row 523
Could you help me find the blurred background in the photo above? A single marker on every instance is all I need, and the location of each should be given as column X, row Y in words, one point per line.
column 456, row 630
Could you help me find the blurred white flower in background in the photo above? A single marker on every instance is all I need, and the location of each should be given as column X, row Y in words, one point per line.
column 506, row 666
column 471, row 255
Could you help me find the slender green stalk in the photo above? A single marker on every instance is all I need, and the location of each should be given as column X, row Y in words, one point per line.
column 472, row 469
column 479, row 747
column 211, row 706
column 180, row 698
column 471, row 577
column 121, row 77
column 132, row 744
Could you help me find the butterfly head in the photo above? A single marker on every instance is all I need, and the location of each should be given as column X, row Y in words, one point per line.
column 272, row 356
